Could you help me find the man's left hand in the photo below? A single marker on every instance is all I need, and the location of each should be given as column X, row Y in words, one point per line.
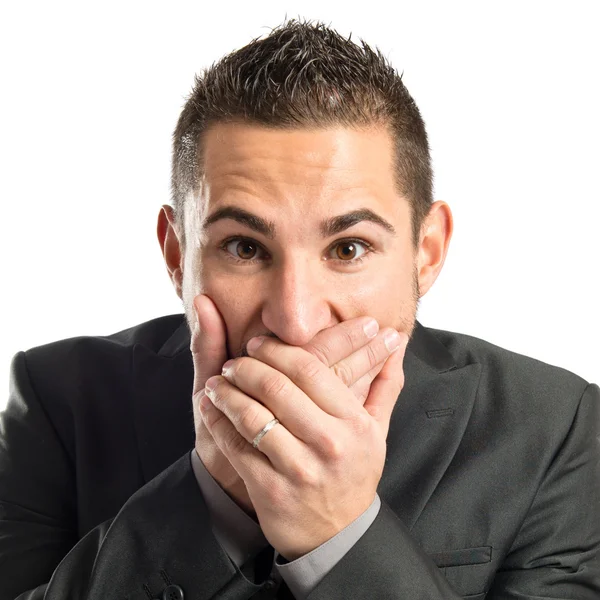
column 318, row 469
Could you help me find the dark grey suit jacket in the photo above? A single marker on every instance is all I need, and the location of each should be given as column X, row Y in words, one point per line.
column 491, row 484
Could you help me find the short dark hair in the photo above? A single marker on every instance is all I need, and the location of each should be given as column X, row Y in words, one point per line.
column 304, row 75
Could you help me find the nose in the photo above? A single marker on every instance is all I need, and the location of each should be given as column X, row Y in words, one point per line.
column 296, row 307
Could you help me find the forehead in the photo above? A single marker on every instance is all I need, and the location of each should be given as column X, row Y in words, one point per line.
column 278, row 161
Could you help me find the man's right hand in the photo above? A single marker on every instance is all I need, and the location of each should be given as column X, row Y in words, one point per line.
column 355, row 354
column 209, row 353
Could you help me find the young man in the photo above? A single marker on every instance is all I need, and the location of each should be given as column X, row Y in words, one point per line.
column 297, row 433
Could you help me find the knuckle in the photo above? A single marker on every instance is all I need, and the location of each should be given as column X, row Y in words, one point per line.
column 372, row 356
column 213, row 418
column 309, row 371
column 320, row 351
column 350, row 337
column 304, row 475
column 332, row 447
column 274, row 386
column 233, row 442
column 248, row 418
column 344, row 372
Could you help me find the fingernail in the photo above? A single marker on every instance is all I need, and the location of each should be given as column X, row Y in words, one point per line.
column 204, row 401
column 392, row 340
column 371, row 328
column 210, row 385
column 227, row 366
column 254, row 343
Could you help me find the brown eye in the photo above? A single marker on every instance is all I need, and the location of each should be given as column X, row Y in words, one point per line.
column 246, row 250
column 346, row 251
column 349, row 251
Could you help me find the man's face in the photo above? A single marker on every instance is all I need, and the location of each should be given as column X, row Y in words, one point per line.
column 314, row 233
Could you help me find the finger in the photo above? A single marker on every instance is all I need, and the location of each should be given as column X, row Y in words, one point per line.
column 246, row 460
column 336, row 343
column 362, row 387
column 286, row 401
column 386, row 387
column 366, row 358
column 306, row 372
column 208, row 342
column 249, row 417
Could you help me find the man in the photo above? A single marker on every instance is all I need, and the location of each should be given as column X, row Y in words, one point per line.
column 284, row 438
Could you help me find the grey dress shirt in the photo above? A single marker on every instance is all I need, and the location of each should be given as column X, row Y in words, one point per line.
column 242, row 538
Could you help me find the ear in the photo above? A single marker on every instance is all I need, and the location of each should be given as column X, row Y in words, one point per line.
column 170, row 246
column 436, row 232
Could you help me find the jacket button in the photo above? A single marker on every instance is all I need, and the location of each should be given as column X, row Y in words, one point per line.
column 172, row 592
column 269, row 584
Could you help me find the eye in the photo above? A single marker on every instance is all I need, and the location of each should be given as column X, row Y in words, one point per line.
column 243, row 249
column 349, row 250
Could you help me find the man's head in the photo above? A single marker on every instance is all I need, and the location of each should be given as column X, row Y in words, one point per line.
column 302, row 190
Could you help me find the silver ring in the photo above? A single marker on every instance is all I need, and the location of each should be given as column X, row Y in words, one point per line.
column 263, row 432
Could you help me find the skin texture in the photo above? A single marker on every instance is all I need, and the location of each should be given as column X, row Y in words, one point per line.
column 304, row 289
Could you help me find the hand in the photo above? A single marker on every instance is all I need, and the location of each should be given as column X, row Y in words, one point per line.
column 209, row 352
column 346, row 348
column 318, row 470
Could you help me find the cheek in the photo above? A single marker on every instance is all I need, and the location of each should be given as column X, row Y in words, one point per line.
column 231, row 299
column 232, row 295
column 384, row 293
column 239, row 306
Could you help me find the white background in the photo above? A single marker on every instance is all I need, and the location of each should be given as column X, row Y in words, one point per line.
column 509, row 92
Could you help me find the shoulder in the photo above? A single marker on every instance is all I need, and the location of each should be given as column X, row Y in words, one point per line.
column 152, row 334
column 75, row 381
column 467, row 349
column 67, row 366
column 517, row 387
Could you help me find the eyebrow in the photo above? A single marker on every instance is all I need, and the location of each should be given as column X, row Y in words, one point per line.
column 328, row 228
column 340, row 223
column 245, row 218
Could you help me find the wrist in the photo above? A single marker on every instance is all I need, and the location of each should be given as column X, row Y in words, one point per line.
column 225, row 476
column 239, row 494
column 300, row 546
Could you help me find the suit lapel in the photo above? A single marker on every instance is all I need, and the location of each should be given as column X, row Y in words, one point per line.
column 162, row 385
column 426, row 428
column 427, row 424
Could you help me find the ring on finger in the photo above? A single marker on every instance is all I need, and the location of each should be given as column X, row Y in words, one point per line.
column 261, row 434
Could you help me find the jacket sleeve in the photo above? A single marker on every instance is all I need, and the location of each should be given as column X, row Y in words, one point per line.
column 556, row 553
column 160, row 537
column 386, row 563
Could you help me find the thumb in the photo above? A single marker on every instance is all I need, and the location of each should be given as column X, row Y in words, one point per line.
column 208, row 343
column 386, row 388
